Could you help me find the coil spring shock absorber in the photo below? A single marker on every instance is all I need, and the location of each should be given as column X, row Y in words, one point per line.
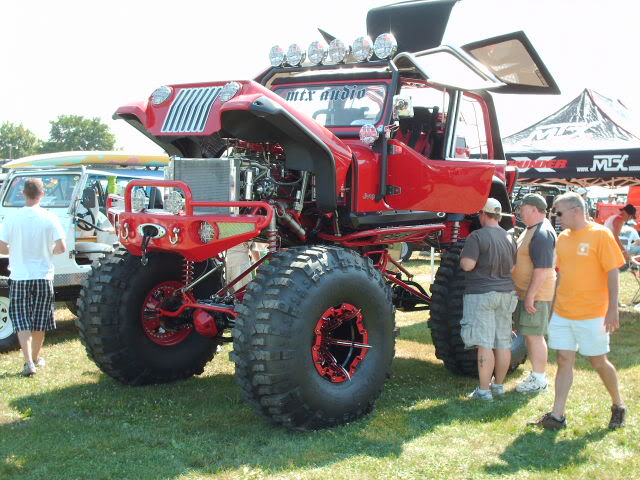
column 187, row 272
column 456, row 231
column 272, row 235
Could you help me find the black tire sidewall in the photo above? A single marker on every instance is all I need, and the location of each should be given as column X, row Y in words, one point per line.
column 358, row 290
column 274, row 336
column 161, row 268
column 10, row 342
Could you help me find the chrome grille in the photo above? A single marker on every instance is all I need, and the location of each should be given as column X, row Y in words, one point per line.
column 190, row 110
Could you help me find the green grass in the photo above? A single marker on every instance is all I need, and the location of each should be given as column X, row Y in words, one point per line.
column 71, row 421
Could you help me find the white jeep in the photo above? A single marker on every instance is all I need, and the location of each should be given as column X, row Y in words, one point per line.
column 78, row 197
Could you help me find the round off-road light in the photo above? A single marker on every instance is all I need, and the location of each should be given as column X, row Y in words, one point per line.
column 161, row 94
column 385, row 46
column 338, row 51
column 276, row 56
column 317, row 52
column 174, row 202
column 369, row 134
column 138, row 200
column 207, row 232
column 362, row 49
column 295, row 55
column 229, row 91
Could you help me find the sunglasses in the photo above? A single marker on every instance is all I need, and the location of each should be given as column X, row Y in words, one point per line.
column 559, row 213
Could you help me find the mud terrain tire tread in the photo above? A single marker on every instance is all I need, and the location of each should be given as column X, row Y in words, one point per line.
column 108, row 328
column 273, row 337
column 446, row 314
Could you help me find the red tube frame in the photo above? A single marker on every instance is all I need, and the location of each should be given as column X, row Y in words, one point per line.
column 381, row 265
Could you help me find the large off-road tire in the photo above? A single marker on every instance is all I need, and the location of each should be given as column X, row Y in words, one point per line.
column 444, row 321
column 8, row 337
column 121, row 333
column 296, row 310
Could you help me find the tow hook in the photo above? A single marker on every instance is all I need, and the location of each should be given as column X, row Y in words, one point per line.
column 148, row 232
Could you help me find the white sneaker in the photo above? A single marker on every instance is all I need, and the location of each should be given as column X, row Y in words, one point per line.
column 531, row 385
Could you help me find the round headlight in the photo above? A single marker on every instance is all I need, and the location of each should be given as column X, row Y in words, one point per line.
column 295, row 55
column 317, row 52
column 368, row 134
column 385, row 46
column 362, row 49
column 229, row 91
column 138, row 200
column 276, row 56
column 338, row 51
column 207, row 232
column 174, row 202
column 161, row 94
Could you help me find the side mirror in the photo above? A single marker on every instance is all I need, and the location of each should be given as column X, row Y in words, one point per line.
column 402, row 107
column 89, row 198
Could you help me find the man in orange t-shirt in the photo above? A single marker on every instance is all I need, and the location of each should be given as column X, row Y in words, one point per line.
column 585, row 309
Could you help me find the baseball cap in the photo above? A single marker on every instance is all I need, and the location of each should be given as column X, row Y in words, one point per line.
column 630, row 209
column 535, row 200
column 492, row 206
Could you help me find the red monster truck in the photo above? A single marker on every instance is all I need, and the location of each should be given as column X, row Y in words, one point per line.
column 329, row 162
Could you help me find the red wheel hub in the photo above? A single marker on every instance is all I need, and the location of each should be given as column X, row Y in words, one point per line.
column 341, row 343
column 153, row 324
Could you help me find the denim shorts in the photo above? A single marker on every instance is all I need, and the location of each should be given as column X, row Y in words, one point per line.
column 486, row 319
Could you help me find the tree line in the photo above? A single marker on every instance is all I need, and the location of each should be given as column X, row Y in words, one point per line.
column 67, row 133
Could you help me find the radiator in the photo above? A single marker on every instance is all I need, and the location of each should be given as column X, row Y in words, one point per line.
column 210, row 179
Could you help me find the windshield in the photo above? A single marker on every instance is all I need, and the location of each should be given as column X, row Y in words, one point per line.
column 341, row 105
column 58, row 190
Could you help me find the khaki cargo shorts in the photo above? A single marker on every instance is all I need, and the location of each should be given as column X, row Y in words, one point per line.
column 487, row 318
column 532, row 324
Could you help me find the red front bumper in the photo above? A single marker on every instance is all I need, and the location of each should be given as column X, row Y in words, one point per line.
column 180, row 233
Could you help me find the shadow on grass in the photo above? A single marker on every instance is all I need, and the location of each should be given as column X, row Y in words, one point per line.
column 540, row 451
column 203, row 425
column 417, row 332
column 65, row 330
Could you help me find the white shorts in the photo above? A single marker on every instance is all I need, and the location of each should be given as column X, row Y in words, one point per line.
column 588, row 337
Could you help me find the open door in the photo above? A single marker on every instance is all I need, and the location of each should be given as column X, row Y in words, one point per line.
column 448, row 67
column 514, row 61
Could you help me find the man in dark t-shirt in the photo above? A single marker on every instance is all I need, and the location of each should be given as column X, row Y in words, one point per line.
column 489, row 300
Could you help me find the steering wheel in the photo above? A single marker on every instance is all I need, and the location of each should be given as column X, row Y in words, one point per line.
column 82, row 224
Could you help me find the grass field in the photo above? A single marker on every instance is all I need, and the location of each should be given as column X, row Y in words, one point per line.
column 73, row 422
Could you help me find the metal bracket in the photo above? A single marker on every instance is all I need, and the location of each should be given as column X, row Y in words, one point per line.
column 393, row 190
column 174, row 238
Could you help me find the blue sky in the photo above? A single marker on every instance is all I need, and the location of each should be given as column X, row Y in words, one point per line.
column 88, row 58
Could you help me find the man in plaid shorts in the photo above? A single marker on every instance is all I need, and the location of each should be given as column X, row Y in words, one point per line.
column 31, row 237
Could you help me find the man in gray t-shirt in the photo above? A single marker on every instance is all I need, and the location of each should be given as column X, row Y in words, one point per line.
column 487, row 258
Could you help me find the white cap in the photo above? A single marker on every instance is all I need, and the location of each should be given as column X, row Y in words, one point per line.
column 492, row 206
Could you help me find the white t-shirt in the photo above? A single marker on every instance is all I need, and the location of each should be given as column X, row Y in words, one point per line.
column 609, row 221
column 31, row 234
column 629, row 235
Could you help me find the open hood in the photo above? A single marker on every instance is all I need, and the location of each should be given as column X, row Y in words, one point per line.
column 416, row 25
